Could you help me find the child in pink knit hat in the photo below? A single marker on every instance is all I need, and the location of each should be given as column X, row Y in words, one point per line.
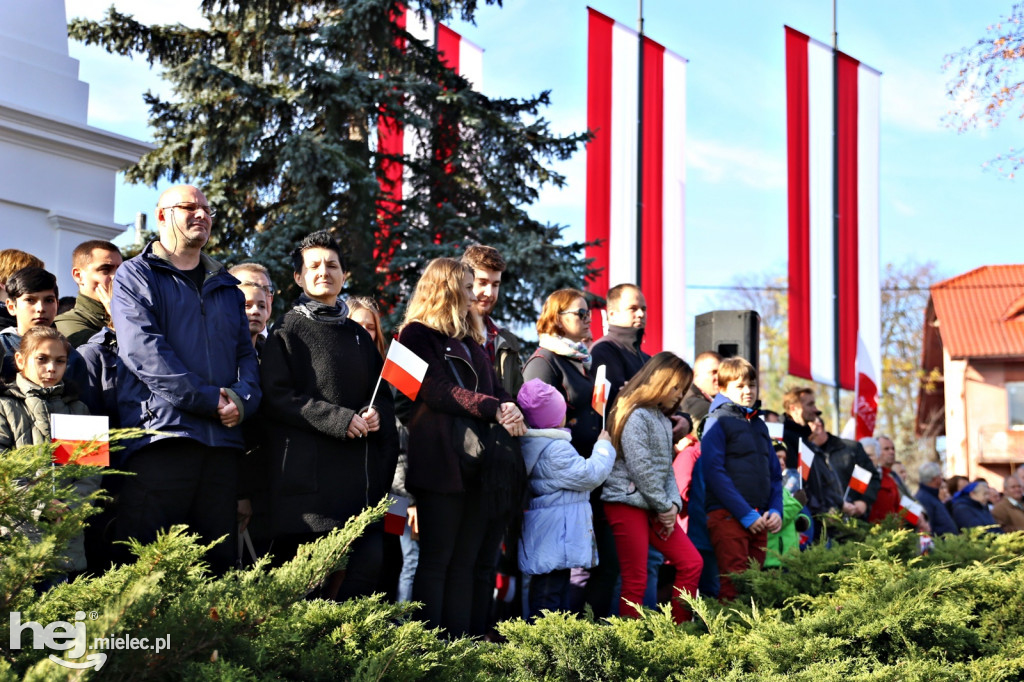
column 558, row 527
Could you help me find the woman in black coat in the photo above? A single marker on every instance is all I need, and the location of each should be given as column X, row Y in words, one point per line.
column 331, row 453
column 459, row 534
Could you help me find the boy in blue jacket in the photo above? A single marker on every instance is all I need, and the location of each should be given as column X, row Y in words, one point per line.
column 558, row 526
column 743, row 479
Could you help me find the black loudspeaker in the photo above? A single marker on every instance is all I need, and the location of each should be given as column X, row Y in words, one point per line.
column 729, row 333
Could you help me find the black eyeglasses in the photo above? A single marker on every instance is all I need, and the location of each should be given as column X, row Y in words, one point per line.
column 193, row 207
column 582, row 313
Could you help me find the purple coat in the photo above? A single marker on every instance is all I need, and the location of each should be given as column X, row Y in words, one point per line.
column 433, row 463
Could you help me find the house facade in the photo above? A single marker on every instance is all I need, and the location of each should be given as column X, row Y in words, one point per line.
column 972, row 388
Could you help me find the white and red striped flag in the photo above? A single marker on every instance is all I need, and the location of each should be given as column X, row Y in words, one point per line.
column 456, row 53
column 860, row 478
column 404, row 370
column 613, row 158
column 397, row 515
column 82, row 438
column 602, row 389
column 911, row 509
column 811, row 105
column 806, row 460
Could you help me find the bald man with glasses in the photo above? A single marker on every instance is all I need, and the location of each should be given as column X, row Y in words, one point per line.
column 189, row 371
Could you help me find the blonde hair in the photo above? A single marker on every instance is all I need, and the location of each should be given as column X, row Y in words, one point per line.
column 440, row 301
column 649, row 388
column 366, row 303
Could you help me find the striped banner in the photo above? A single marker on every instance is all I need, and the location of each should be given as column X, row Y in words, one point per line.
column 393, row 139
column 813, row 72
column 613, row 102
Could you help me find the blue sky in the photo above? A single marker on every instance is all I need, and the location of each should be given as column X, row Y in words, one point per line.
column 937, row 201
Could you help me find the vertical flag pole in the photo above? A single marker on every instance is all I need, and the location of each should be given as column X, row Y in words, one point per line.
column 835, row 214
column 640, row 145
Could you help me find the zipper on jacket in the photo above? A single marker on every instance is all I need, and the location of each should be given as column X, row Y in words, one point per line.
column 476, row 377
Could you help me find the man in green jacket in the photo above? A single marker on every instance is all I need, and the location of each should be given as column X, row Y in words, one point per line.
column 93, row 264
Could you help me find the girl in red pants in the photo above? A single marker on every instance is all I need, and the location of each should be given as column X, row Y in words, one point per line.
column 641, row 499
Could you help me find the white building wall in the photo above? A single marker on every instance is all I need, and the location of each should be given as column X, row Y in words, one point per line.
column 57, row 173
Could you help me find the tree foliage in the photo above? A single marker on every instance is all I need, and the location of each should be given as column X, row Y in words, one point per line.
column 870, row 607
column 274, row 113
column 987, row 79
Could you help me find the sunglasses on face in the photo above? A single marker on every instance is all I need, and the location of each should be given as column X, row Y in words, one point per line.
column 582, row 313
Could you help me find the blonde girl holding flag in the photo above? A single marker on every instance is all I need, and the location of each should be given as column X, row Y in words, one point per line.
column 461, row 520
column 641, row 498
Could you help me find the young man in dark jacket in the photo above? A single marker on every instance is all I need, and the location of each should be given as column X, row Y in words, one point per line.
column 188, row 369
column 501, row 345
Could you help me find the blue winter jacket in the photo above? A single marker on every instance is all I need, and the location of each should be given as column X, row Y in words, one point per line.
column 938, row 516
column 970, row 514
column 741, row 471
column 178, row 346
column 558, row 527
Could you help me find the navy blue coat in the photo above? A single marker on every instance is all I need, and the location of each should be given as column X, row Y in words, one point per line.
column 938, row 516
column 178, row 346
column 970, row 514
column 741, row 471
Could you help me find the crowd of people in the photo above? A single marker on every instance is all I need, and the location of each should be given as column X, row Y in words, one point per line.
column 273, row 438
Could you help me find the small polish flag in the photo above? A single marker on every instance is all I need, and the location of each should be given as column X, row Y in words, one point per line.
column 80, row 438
column 774, row 430
column 397, row 515
column 404, row 370
column 602, row 387
column 860, row 478
column 911, row 509
column 806, row 460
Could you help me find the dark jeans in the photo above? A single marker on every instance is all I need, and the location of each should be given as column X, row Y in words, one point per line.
column 549, row 591
column 600, row 589
column 180, row 480
column 458, row 561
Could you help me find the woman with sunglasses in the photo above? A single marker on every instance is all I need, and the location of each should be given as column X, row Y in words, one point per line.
column 563, row 361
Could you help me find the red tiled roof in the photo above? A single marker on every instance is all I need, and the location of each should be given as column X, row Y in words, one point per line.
column 981, row 312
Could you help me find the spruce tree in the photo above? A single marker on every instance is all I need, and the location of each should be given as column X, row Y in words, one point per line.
column 274, row 113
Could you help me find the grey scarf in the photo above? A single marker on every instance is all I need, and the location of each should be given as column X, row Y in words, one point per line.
column 321, row 312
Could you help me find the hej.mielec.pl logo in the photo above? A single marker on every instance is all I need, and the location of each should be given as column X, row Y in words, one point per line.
column 71, row 637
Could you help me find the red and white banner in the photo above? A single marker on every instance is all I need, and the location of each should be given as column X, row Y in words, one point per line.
column 615, row 158
column 404, row 370
column 81, row 438
column 860, row 478
column 818, row 80
column 456, row 53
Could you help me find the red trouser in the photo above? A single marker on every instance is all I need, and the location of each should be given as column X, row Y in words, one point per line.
column 734, row 547
column 633, row 534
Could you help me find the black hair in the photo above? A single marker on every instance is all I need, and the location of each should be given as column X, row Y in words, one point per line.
column 31, row 280
column 320, row 239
